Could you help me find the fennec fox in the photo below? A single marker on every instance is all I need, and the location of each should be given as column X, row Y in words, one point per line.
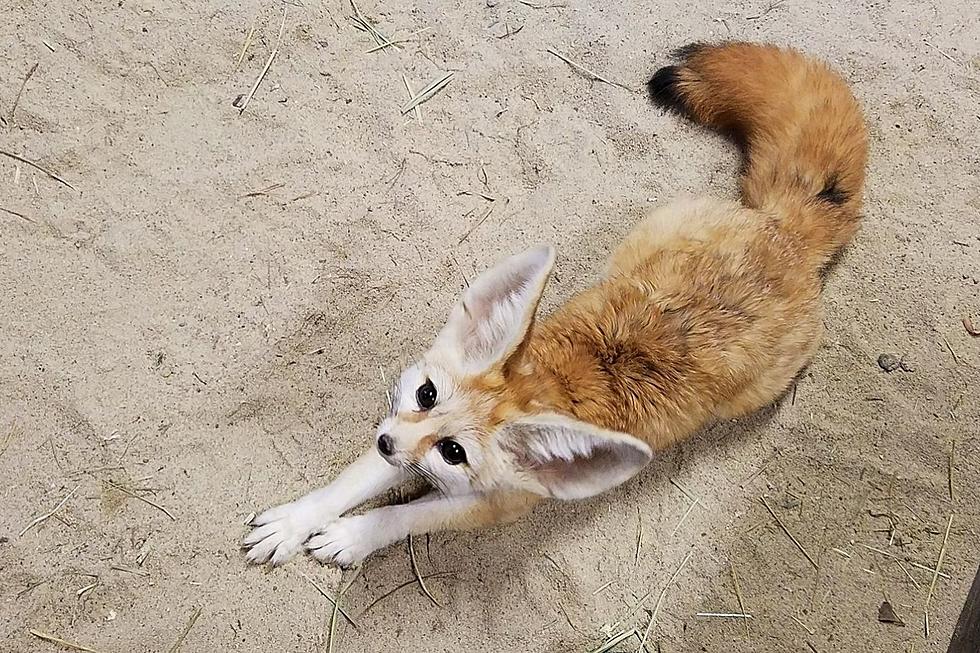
column 707, row 311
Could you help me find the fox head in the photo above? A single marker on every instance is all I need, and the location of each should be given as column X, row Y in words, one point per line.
column 465, row 416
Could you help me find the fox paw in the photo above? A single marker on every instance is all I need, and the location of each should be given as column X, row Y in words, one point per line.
column 279, row 533
column 345, row 542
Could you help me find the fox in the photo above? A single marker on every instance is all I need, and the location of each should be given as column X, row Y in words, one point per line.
column 706, row 311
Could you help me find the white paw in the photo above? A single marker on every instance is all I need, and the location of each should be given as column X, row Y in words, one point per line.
column 279, row 532
column 346, row 541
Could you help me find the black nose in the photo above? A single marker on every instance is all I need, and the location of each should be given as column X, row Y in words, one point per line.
column 386, row 445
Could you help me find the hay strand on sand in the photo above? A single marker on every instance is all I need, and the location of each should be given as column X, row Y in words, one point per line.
column 476, row 226
column 268, row 64
column 952, row 453
column 639, row 537
column 588, row 74
column 362, row 23
column 187, row 629
column 417, row 109
column 48, row 515
column 64, row 643
column 336, row 608
column 56, row 177
column 418, row 576
column 614, row 640
column 245, row 46
column 690, row 509
column 22, row 217
column 20, row 91
column 426, row 93
column 332, row 600
column 438, row 574
column 781, row 525
column 935, row 576
column 143, row 499
column 663, row 592
column 738, row 594
column 914, row 564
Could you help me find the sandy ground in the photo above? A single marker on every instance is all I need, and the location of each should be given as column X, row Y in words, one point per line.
column 205, row 322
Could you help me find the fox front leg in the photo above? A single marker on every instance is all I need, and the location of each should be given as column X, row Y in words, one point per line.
column 279, row 533
column 349, row 540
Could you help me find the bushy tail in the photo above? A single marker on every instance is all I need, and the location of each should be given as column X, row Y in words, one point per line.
column 800, row 127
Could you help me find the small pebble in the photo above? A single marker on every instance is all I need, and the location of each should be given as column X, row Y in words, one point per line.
column 889, row 362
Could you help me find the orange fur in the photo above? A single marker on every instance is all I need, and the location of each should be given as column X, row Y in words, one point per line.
column 709, row 308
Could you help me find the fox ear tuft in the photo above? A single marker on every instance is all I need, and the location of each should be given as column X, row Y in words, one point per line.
column 494, row 314
column 570, row 459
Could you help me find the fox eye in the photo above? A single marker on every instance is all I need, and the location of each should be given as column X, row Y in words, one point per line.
column 426, row 395
column 452, row 452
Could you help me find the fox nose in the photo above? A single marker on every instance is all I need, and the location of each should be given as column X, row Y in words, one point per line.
column 386, row 445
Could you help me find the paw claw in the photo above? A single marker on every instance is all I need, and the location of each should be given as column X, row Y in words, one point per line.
column 279, row 533
column 345, row 542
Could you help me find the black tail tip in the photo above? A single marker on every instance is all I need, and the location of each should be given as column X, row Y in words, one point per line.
column 685, row 52
column 664, row 89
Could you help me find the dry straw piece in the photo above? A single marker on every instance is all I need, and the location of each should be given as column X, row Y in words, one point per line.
column 935, row 576
column 64, row 643
column 426, row 93
column 268, row 64
column 48, row 515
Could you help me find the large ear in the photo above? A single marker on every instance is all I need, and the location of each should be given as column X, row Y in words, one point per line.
column 571, row 459
column 494, row 313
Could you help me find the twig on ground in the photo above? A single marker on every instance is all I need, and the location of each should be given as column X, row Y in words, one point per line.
column 336, row 609
column 418, row 576
column 557, row 5
column 772, row 5
column 660, row 600
column 48, row 515
column 61, row 642
column 956, row 358
column 332, row 600
column 18, row 214
column 639, row 536
column 263, row 191
column 690, row 509
column 438, row 574
column 914, row 564
column 940, row 51
column 663, row 592
column 939, row 565
column 426, row 93
column 779, row 522
column 20, row 91
column 613, row 641
column 603, row 586
column 417, row 109
column 589, row 74
column 187, row 629
column 268, row 64
column 952, row 453
column 362, row 23
column 245, row 46
column 805, row 627
column 143, row 499
column 911, row 578
column 738, row 594
column 53, row 175
column 479, row 222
